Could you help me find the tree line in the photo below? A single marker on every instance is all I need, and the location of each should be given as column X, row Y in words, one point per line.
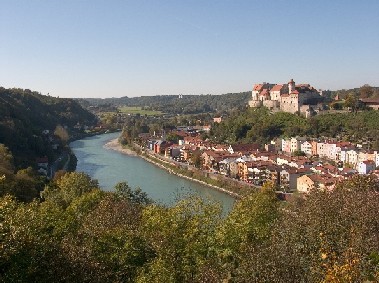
column 259, row 125
column 79, row 233
column 175, row 104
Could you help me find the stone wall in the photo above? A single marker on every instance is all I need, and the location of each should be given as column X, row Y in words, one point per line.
column 271, row 104
column 289, row 104
column 255, row 103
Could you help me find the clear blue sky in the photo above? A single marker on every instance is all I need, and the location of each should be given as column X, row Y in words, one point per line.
column 108, row 48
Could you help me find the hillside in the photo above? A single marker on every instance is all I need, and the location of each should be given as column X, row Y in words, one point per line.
column 259, row 125
column 186, row 104
column 24, row 114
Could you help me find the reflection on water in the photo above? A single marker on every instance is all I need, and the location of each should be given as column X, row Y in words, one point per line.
column 110, row 167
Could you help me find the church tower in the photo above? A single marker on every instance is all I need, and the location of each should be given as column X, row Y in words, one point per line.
column 291, row 86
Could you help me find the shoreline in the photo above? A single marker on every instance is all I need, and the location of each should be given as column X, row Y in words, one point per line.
column 115, row 145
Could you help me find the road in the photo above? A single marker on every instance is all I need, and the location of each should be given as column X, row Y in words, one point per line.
column 57, row 164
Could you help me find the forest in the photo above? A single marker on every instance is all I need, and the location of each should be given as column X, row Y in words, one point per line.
column 25, row 114
column 173, row 104
column 79, row 233
column 259, row 125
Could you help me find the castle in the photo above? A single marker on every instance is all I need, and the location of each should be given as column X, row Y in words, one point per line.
column 285, row 97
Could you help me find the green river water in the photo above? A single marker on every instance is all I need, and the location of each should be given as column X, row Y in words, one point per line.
column 110, row 167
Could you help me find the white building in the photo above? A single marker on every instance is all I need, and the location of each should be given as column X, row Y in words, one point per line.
column 365, row 167
column 306, row 147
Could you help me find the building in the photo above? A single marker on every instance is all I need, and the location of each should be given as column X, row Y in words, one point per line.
column 371, row 102
column 217, row 119
column 284, row 97
column 365, row 167
column 306, row 147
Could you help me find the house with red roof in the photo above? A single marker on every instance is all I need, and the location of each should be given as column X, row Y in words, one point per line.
column 306, row 183
column 289, row 175
column 243, row 149
column 371, row 102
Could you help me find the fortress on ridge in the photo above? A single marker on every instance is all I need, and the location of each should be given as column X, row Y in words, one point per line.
column 289, row 97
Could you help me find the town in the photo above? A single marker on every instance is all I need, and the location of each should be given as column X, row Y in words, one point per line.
column 295, row 164
column 292, row 164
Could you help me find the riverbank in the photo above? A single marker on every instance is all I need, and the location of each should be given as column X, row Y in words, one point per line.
column 115, row 145
column 160, row 165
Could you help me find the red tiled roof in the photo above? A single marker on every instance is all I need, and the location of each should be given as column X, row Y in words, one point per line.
column 277, row 87
column 344, row 144
column 370, row 100
column 258, row 87
column 245, row 147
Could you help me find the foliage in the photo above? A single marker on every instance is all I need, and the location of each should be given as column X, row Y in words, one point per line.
column 248, row 225
column 181, row 237
column 187, row 104
column 326, row 234
column 258, row 125
column 24, row 114
column 6, row 161
column 138, row 110
column 299, row 153
column 62, row 133
column 196, row 158
column 82, row 234
column 365, row 91
column 70, row 186
column 351, row 101
column 25, row 185
column 136, row 196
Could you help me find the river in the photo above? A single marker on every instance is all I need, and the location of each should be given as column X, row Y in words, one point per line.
column 110, row 167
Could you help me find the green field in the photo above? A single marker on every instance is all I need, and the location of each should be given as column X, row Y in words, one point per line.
column 138, row 110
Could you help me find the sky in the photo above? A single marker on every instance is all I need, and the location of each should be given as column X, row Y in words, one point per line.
column 110, row 48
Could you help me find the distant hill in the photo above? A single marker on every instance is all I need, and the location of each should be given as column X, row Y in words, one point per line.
column 175, row 104
column 24, row 114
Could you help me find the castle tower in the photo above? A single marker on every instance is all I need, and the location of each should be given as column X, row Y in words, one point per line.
column 291, row 86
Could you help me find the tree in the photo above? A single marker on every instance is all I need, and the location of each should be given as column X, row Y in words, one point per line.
column 196, row 159
column 70, row 186
column 174, row 138
column 6, row 160
column 27, row 185
column 106, row 241
column 247, row 228
column 366, row 91
column 336, row 105
column 325, row 236
column 182, row 237
column 62, row 133
column 136, row 196
column 299, row 153
column 30, row 249
column 351, row 101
